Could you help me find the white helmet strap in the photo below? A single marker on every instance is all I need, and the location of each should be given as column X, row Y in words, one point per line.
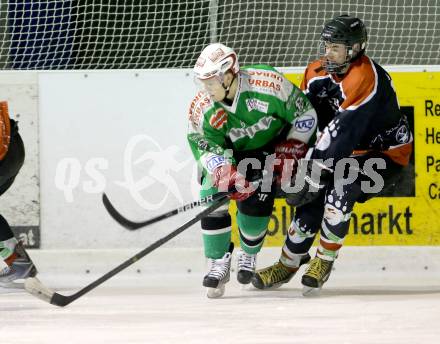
column 227, row 88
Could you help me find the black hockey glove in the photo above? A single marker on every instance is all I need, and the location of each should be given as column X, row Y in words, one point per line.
column 311, row 179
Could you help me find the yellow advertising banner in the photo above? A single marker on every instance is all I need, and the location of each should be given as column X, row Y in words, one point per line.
column 412, row 215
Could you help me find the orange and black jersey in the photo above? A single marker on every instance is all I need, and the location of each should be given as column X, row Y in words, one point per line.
column 5, row 129
column 358, row 112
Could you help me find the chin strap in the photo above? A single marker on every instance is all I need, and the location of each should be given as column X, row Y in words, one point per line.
column 227, row 88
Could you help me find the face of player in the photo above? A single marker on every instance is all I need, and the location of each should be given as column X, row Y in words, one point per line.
column 214, row 86
column 335, row 52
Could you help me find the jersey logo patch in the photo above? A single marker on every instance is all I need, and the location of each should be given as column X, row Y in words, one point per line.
column 214, row 161
column 218, row 119
column 198, row 107
column 304, row 123
column 238, row 133
column 257, row 104
column 264, row 84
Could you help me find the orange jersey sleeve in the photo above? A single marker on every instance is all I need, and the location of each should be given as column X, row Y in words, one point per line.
column 5, row 129
column 313, row 70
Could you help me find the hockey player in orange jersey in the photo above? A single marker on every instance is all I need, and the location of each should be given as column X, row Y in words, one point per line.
column 359, row 118
column 18, row 264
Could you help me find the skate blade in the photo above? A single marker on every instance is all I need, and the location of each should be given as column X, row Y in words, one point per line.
column 247, row 287
column 311, row 292
column 12, row 285
column 214, row 293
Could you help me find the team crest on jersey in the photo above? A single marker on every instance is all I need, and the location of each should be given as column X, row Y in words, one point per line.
column 402, row 134
column 292, row 97
column 300, row 104
column 334, row 103
column 257, row 104
column 203, row 144
column 218, row 119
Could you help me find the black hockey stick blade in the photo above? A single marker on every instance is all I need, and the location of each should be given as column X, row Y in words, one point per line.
column 36, row 288
column 133, row 225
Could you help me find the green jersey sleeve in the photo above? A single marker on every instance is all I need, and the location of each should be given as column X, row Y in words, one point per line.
column 206, row 134
column 301, row 114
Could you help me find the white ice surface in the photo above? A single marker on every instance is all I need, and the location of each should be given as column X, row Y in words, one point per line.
column 150, row 307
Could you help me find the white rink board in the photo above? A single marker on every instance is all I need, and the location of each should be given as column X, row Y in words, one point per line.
column 90, row 118
column 87, row 119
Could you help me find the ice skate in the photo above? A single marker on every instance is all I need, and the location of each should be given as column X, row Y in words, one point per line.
column 274, row 276
column 20, row 268
column 246, row 267
column 315, row 276
column 218, row 275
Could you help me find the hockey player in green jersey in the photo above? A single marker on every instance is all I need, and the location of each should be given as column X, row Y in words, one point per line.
column 243, row 116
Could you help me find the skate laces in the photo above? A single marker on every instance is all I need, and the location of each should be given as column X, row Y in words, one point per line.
column 220, row 267
column 275, row 273
column 318, row 268
column 246, row 261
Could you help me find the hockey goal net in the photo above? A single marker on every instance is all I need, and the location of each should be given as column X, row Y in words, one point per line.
column 115, row 34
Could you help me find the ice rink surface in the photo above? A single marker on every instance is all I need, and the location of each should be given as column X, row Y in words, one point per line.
column 176, row 311
column 172, row 308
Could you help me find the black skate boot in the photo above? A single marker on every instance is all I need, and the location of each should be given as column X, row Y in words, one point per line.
column 316, row 275
column 218, row 274
column 246, row 267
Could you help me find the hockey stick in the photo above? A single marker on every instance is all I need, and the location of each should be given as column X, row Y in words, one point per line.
column 36, row 288
column 132, row 225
